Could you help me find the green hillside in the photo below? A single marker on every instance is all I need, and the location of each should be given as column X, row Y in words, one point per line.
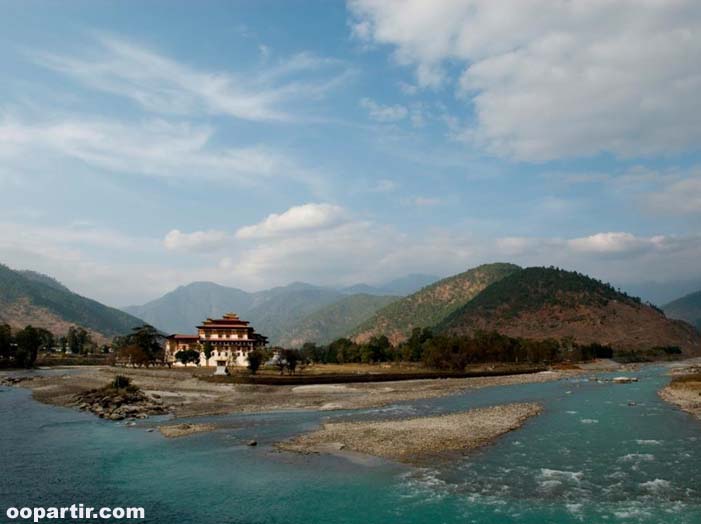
column 535, row 287
column 335, row 320
column 32, row 298
column 432, row 304
column 687, row 308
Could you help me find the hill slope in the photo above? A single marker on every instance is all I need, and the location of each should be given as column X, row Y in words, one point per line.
column 272, row 312
column 183, row 308
column 33, row 298
column 335, row 320
column 544, row 303
column 432, row 304
column 687, row 308
column 277, row 311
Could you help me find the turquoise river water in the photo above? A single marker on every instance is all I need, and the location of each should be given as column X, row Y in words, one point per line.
column 600, row 453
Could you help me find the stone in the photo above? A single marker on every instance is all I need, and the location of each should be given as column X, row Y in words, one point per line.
column 252, row 443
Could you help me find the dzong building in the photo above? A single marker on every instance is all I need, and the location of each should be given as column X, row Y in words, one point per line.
column 230, row 338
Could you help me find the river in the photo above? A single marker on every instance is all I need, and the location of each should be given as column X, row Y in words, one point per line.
column 600, row 453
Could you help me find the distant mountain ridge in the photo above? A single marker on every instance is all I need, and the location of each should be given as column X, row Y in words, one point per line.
column 431, row 304
column 273, row 312
column 277, row 312
column 27, row 297
column 542, row 303
column 399, row 286
column 687, row 308
column 335, row 320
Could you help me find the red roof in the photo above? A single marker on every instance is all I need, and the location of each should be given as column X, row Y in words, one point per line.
column 184, row 337
column 230, row 320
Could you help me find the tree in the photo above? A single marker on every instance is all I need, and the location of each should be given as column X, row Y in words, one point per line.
column 132, row 355
column 188, row 355
column 79, row 341
column 72, row 340
column 376, row 350
column 343, row 351
column 412, row 349
column 6, row 344
column 47, row 339
column 255, row 359
column 207, row 349
column 291, row 358
column 148, row 339
column 28, row 343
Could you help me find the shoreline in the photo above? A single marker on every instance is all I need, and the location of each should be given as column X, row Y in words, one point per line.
column 684, row 390
column 413, row 440
column 184, row 396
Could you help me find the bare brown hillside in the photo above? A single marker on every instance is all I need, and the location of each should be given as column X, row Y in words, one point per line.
column 540, row 303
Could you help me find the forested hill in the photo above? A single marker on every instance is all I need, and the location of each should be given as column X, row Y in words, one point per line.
column 540, row 303
column 432, row 304
column 335, row 320
column 39, row 300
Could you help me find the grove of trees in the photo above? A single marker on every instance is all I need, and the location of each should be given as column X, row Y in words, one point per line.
column 20, row 349
column 142, row 347
column 453, row 352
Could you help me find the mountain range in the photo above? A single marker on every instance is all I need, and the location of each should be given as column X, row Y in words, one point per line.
column 687, row 308
column 32, row 298
column 288, row 314
column 533, row 303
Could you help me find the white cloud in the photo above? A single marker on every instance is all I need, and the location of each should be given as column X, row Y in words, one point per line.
column 382, row 113
column 361, row 251
column 556, row 79
column 614, row 243
column 119, row 269
column 163, row 85
column 151, row 148
column 295, row 219
column 195, row 241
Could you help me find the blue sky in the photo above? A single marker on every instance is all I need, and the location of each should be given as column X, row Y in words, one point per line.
column 145, row 145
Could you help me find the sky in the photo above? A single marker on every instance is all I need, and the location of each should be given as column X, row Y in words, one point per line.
column 146, row 145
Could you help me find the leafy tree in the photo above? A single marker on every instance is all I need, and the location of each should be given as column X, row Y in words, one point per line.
column 291, row 358
column 148, row 340
column 79, row 341
column 344, row 350
column 133, row 355
column 255, row 360
column 376, row 350
column 28, row 343
column 6, row 344
column 207, row 349
column 188, row 355
column 47, row 339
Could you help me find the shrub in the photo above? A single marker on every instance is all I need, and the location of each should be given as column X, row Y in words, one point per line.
column 121, row 382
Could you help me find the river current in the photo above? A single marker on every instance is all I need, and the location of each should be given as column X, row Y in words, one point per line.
column 600, row 453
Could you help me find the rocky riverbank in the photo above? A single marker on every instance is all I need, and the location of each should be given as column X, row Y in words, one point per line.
column 684, row 390
column 412, row 440
column 182, row 430
column 119, row 404
column 184, row 395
